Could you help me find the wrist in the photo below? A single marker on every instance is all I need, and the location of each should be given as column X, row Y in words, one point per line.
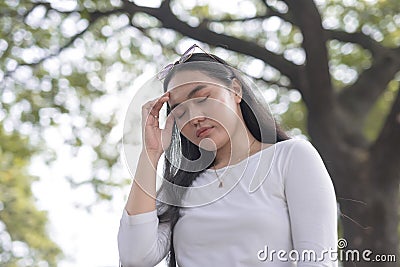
column 151, row 156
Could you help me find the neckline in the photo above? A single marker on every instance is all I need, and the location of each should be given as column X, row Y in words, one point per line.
column 245, row 159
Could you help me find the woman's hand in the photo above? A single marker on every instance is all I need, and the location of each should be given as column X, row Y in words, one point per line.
column 155, row 140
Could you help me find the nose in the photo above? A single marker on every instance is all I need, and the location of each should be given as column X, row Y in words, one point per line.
column 195, row 116
column 195, row 121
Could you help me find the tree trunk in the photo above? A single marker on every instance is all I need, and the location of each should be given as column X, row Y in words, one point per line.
column 376, row 220
column 368, row 196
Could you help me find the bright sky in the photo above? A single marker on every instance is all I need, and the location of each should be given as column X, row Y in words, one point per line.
column 87, row 239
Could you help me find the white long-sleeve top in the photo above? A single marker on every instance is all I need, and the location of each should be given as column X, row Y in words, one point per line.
column 280, row 198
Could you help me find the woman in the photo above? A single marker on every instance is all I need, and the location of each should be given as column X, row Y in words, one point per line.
column 218, row 139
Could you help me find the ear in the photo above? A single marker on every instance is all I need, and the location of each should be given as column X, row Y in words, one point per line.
column 237, row 88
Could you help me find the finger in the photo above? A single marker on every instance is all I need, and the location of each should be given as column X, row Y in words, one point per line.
column 151, row 109
column 158, row 105
column 160, row 101
column 151, row 103
column 151, row 120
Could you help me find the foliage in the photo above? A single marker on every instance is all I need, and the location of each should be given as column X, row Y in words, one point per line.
column 23, row 237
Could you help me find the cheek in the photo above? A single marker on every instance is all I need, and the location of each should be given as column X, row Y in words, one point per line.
column 225, row 113
column 222, row 112
column 188, row 132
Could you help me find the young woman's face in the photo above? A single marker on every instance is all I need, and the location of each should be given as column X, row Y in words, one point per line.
column 204, row 108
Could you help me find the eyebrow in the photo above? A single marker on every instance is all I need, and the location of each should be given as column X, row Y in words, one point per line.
column 191, row 93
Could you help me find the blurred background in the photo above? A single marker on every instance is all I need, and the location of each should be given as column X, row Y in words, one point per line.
column 69, row 69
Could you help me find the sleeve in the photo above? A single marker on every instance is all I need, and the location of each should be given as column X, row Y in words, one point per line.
column 312, row 207
column 142, row 240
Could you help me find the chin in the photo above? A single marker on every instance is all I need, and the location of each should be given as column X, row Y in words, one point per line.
column 207, row 144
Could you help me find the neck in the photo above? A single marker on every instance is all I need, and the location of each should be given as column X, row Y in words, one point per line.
column 236, row 150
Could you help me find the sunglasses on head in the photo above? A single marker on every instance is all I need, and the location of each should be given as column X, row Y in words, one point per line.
column 185, row 56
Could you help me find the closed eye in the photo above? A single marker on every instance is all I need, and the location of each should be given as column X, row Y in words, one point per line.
column 180, row 117
column 203, row 99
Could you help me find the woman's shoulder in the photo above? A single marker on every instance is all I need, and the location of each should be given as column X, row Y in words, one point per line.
column 283, row 150
column 285, row 146
column 299, row 154
column 294, row 141
column 297, row 147
column 299, row 150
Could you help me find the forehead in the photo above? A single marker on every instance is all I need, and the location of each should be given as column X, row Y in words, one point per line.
column 185, row 81
column 186, row 77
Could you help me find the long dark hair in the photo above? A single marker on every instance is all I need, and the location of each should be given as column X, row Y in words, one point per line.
column 257, row 119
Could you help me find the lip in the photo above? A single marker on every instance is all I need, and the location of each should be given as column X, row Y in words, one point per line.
column 203, row 131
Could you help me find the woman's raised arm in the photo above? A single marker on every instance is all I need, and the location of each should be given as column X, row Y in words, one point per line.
column 142, row 241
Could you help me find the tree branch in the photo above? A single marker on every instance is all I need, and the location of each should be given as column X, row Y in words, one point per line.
column 357, row 38
column 144, row 31
column 316, row 86
column 203, row 34
column 93, row 17
column 320, row 96
column 285, row 16
column 269, row 83
column 359, row 98
column 206, row 20
column 271, row 12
